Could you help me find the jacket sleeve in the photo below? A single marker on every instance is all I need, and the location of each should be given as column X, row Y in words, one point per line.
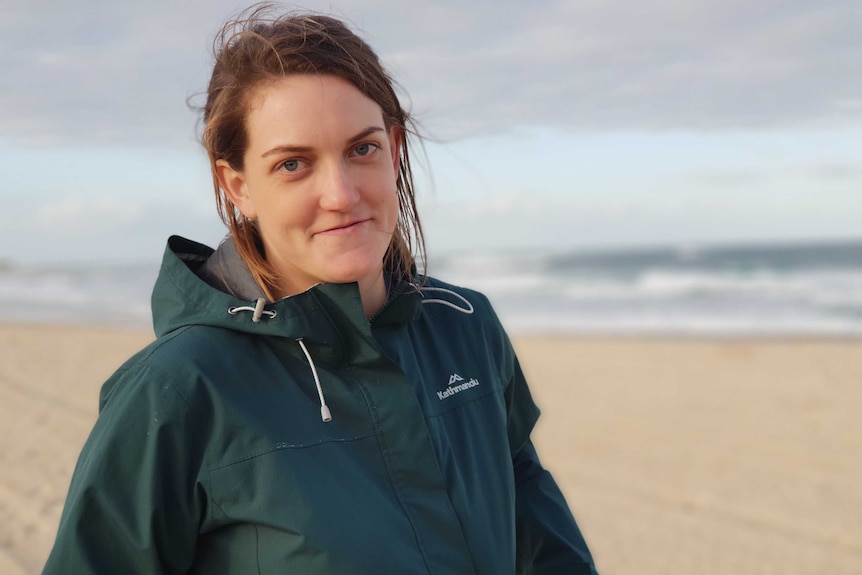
column 133, row 505
column 548, row 541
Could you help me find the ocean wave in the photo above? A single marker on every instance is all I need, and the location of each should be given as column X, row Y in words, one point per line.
column 806, row 290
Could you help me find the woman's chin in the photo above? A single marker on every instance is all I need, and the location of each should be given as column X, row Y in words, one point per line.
column 362, row 274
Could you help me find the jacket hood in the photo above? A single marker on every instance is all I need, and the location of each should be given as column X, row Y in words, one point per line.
column 201, row 286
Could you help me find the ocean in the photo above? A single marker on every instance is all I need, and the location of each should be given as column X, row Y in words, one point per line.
column 801, row 289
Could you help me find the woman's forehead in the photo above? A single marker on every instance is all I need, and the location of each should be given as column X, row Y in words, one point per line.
column 307, row 108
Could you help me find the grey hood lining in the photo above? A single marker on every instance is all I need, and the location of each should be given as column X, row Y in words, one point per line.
column 226, row 271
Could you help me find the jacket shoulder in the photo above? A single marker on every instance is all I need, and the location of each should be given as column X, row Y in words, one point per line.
column 460, row 310
column 167, row 362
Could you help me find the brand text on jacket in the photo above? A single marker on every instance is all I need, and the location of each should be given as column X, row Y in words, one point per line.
column 453, row 389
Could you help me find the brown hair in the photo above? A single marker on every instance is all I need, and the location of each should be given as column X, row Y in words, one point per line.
column 255, row 48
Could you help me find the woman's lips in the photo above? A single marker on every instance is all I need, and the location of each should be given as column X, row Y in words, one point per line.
column 344, row 229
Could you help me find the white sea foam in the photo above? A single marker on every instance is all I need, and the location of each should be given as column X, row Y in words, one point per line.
column 97, row 295
column 804, row 290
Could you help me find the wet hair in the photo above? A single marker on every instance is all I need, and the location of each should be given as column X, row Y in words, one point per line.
column 258, row 47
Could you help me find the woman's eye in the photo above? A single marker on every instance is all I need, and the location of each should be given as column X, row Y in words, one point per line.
column 365, row 149
column 290, row 165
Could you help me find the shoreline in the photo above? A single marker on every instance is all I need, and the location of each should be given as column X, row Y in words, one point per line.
column 514, row 334
column 676, row 454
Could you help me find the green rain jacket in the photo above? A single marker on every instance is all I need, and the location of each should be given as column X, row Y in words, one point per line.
column 210, row 454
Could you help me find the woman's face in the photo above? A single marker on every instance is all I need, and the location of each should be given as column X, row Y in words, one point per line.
column 320, row 179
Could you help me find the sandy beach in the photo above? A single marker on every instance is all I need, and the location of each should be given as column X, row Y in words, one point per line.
column 691, row 457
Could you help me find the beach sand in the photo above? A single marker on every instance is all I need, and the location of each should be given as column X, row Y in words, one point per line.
column 690, row 457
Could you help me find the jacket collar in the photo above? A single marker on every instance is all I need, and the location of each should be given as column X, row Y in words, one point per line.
column 199, row 286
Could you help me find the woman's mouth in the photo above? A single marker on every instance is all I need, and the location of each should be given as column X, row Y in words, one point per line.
column 344, row 229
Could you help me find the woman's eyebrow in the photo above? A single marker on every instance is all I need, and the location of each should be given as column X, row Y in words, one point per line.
column 289, row 149
column 365, row 133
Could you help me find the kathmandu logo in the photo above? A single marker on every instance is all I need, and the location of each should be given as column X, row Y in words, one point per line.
column 456, row 386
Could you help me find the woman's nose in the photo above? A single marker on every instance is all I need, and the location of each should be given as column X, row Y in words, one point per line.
column 338, row 190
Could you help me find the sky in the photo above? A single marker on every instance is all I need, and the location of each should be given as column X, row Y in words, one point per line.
column 552, row 125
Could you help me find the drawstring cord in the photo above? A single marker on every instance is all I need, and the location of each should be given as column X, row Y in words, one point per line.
column 467, row 310
column 258, row 310
column 324, row 410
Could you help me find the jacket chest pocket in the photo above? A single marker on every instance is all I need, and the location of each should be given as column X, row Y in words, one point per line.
column 441, row 392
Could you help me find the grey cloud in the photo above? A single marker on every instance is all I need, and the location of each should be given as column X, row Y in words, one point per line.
column 79, row 228
column 99, row 72
column 740, row 178
column 836, row 172
column 655, row 65
column 727, row 178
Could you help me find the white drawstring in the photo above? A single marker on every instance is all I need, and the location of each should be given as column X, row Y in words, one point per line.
column 258, row 310
column 468, row 310
column 324, row 410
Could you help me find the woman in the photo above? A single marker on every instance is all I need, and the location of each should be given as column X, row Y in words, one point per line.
column 312, row 405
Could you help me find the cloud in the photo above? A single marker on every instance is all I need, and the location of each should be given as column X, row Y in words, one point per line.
column 850, row 104
column 102, row 227
column 645, row 66
column 533, row 220
column 728, row 178
column 836, row 172
column 529, row 220
column 101, row 72
column 84, row 216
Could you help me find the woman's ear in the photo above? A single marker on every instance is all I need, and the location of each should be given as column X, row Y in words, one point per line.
column 233, row 184
column 395, row 139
